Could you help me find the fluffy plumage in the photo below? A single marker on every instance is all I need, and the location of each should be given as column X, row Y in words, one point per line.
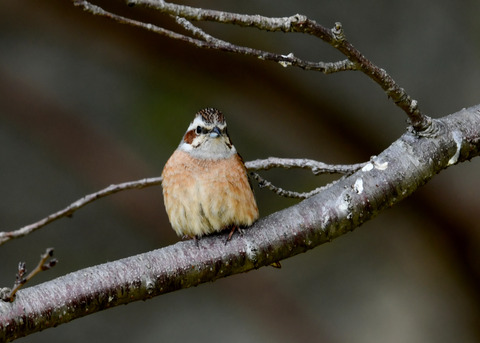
column 205, row 183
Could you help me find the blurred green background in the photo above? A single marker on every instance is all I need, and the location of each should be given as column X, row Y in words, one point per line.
column 86, row 102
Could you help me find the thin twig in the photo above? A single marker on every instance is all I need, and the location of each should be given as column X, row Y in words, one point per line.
column 263, row 183
column 296, row 23
column 285, row 24
column 315, row 166
column 216, row 44
column 68, row 211
column 196, row 31
column 20, row 280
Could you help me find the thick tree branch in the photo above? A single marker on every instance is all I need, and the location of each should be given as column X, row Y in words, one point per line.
column 397, row 172
column 296, row 23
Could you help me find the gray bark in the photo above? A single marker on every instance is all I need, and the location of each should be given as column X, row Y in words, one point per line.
column 397, row 172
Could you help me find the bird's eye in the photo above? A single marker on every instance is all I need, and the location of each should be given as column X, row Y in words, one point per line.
column 199, row 130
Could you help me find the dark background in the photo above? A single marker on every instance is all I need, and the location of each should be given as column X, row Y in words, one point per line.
column 86, row 102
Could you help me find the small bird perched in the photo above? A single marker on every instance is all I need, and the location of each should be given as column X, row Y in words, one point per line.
column 205, row 182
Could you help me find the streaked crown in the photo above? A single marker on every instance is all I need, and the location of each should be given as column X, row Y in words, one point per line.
column 212, row 116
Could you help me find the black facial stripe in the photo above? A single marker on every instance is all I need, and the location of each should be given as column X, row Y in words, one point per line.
column 204, row 130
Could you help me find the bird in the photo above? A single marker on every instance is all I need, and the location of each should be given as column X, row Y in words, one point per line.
column 205, row 183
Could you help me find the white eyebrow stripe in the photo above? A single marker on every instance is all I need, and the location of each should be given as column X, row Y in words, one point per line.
column 196, row 122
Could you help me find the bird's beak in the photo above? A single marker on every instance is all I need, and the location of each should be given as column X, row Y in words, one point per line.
column 215, row 132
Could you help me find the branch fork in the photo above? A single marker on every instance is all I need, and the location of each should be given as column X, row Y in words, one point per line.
column 296, row 23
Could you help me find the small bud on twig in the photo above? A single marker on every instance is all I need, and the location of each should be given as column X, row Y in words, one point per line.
column 9, row 295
